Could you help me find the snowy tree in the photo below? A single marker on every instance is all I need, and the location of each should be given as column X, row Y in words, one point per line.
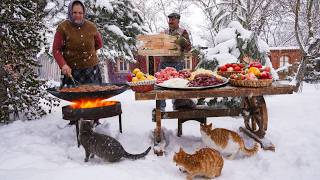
column 234, row 43
column 251, row 14
column 308, row 36
column 119, row 23
column 155, row 12
column 21, row 38
column 279, row 25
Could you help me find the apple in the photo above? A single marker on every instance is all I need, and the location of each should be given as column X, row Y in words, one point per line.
column 237, row 68
column 223, row 68
column 256, row 64
column 264, row 75
column 129, row 77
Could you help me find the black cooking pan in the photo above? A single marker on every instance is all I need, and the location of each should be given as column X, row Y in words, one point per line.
column 71, row 96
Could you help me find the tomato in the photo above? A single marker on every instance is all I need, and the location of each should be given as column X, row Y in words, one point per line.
column 223, row 68
column 237, row 68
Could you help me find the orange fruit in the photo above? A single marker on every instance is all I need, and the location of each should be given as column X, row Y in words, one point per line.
column 254, row 71
column 134, row 79
column 139, row 75
column 135, row 71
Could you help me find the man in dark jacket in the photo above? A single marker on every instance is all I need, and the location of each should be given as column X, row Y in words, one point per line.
column 176, row 62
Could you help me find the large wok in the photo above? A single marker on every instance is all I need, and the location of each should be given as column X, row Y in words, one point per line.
column 71, row 96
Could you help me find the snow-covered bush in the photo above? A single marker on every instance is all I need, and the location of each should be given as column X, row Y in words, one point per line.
column 234, row 43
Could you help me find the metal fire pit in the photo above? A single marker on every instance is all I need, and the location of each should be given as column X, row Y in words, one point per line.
column 91, row 113
column 74, row 115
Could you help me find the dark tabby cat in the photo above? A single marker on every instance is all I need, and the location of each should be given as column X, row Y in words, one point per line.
column 205, row 162
column 227, row 142
column 103, row 146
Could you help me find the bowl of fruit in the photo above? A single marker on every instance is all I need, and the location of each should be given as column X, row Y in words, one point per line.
column 228, row 69
column 254, row 76
column 140, row 82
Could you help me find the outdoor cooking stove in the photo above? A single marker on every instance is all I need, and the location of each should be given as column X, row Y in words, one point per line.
column 90, row 106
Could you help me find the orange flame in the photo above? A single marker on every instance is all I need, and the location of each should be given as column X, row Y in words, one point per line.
column 92, row 103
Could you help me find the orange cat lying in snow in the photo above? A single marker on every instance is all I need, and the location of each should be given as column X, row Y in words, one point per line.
column 227, row 142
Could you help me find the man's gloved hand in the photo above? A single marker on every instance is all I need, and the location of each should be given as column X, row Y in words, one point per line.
column 181, row 41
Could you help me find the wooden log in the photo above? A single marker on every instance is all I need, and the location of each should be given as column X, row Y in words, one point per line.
column 264, row 143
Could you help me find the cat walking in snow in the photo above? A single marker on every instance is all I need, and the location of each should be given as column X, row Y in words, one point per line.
column 103, row 146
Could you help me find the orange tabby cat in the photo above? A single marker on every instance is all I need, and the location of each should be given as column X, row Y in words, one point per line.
column 205, row 162
column 227, row 142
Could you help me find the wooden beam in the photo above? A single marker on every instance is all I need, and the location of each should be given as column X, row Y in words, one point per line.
column 226, row 91
column 200, row 113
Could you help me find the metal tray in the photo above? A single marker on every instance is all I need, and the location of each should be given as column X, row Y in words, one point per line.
column 71, row 96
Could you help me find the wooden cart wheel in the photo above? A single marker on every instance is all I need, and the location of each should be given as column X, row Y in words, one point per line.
column 255, row 115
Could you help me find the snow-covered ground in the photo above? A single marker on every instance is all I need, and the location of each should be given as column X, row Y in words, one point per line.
column 46, row 149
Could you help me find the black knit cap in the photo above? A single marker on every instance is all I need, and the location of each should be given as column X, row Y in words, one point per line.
column 174, row 15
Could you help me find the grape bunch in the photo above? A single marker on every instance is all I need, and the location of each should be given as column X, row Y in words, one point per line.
column 201, row 80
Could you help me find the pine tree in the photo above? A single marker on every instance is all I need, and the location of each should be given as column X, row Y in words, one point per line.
column 21, row 39
column 119, row 26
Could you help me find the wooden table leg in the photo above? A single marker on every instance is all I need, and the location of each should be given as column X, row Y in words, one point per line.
column 157, row 132
column 255, row 115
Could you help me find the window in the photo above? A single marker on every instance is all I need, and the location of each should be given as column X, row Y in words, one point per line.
column 284, row 61
column 188, row 62
column 123, row 66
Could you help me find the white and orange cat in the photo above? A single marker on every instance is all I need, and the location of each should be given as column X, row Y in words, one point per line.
column 227, row 142
column 205, row 162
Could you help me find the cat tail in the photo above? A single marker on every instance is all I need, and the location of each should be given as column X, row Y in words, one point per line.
column 251, row 151
column 136, row 156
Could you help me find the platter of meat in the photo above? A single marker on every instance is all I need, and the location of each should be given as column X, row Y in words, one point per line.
column 200, row 81
column 88, row 91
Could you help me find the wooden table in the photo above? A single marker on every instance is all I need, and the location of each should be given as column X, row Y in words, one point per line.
column 253, row 107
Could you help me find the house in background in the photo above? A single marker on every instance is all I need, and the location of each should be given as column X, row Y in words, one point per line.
column 117, row 71
column 49, row 69
column 285, row 59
